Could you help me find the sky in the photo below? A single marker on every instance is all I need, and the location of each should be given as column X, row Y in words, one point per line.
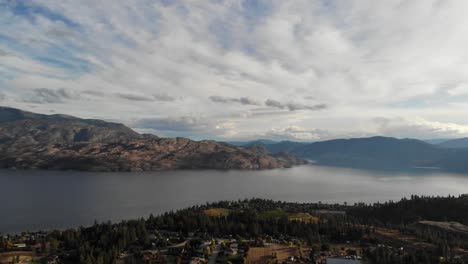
column 300, row 70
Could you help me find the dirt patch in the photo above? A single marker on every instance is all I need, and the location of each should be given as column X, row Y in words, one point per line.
column 448, row 226
column 303, row 217
column 217, row 212
column 396, row 238
column 22, row 256
column 258, row 255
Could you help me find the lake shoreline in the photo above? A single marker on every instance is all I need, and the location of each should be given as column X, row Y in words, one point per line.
column 34, row 198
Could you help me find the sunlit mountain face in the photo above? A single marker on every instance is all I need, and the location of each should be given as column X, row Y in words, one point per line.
column 241, row 70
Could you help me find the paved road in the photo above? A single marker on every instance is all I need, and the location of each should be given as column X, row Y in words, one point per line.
column 214, row 255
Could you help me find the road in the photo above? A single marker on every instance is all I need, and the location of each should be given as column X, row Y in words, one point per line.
column 214, row 254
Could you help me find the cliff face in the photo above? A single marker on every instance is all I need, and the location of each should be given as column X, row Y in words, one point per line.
column 33, row 141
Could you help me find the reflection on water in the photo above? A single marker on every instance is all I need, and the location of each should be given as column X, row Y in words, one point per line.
column 33, row 200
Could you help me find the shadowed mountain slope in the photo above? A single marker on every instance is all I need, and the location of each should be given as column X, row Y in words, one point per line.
column 377, row 153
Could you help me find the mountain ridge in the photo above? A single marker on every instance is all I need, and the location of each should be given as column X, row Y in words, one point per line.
column 455, row 143
column 377, row 153
column 60, row 142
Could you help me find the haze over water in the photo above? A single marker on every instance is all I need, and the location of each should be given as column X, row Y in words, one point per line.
column 34, row 200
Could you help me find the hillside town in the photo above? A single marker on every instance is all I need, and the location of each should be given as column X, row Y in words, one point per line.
column 259, row 231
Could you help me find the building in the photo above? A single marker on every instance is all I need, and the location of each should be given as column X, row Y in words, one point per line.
column 176, row 251
column 230, row 251
column 22, row 245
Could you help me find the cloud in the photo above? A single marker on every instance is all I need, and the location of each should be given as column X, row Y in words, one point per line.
column 262, row 112
column 274, row 103
column 241, row 100
column 362, row 58
column 151, row 98
column 173, row 124
column 295, row 133
column 46, row 95
column 134, row 97
column 186, row 126
column 93, row 93
column 419, row 128
column 294, row 106
column 2, row 96
column 164, row 98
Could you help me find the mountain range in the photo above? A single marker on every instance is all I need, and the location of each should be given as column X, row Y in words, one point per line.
column 36, row 141
column 455, row 143
column 378, row 153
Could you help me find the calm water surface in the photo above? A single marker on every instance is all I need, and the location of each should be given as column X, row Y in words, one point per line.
column 34, row 200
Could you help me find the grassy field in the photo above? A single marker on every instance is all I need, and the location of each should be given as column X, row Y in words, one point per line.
column 262, row 255
column 449, row 226
column 273, row 214
column 217, row 212
column 303, row 217
column 396, row 238
column 299, row 215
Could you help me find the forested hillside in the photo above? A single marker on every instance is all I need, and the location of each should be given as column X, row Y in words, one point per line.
column 415, row 230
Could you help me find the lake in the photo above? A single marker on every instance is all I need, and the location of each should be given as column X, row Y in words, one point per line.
column 35, row 200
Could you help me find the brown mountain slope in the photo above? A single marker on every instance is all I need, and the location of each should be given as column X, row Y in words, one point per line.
column 34, row 141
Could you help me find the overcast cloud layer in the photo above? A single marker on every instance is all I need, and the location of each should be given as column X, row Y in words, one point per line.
column 297, row 70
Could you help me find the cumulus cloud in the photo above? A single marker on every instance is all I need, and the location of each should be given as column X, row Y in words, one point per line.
column 241, row 100
column 2, row 96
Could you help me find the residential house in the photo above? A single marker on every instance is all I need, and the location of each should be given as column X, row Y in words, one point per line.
column 230, row 251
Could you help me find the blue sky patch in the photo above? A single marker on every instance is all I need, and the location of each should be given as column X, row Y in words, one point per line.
column 28, row 10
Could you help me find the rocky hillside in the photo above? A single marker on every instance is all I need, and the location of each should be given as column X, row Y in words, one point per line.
column 34, row 141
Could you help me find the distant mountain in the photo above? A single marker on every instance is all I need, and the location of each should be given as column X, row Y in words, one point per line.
column 25, row 128
column 374, row 152
column 436, row 141
column 377, row 153
column 36, row 141
column 455, row 143
column 271, row 146
column 253, row 142
column 285, row 146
